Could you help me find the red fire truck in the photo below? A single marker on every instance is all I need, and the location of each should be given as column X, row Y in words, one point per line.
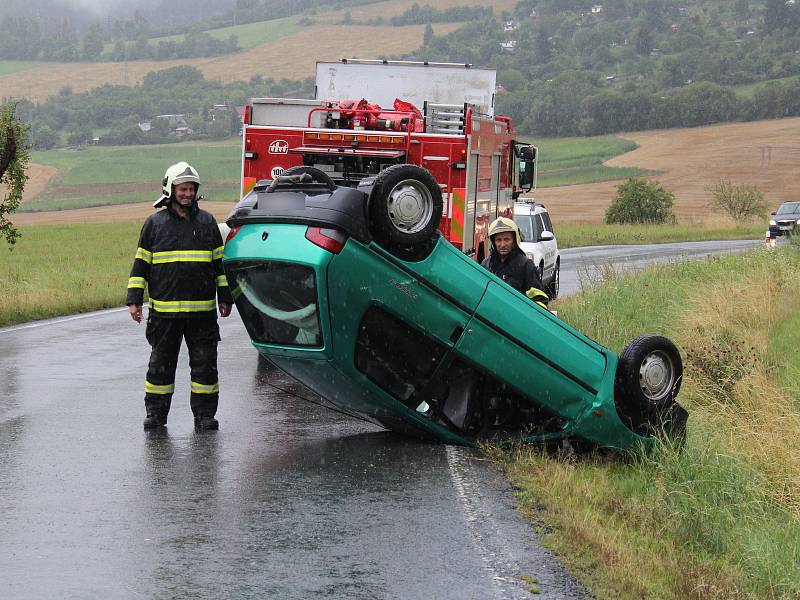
column 368, row 115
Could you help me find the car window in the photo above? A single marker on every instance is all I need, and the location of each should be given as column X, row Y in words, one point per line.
column 788, row 208
column 526, row 228
column 548, row 225
column 394, row 355
column 277, row 301
column 540, row 227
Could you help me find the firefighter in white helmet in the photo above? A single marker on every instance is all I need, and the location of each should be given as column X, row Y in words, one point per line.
column 179, row 262
column 508, row 262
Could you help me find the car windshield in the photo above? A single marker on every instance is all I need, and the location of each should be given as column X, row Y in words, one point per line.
column 528, row 227
column 277, row 302
column 789, row 208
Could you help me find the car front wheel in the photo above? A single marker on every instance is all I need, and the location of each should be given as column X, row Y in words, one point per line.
column 648, row 379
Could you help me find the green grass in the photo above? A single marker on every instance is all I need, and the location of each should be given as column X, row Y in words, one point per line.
column 100, row 175
column 722, row 518
column 58, row 270
column 593, row 234
column 249, row 35
column 9, row 67
column 564, row 161
column 748, row 90
column 569, row 161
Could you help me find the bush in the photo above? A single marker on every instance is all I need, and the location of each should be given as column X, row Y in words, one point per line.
column 639, row 201
column 741, row 202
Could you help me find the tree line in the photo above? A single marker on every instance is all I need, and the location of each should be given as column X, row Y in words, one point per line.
column 113, row 113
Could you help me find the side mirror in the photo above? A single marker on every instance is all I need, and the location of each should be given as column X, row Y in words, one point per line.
column 527, row 152
column 546, row 236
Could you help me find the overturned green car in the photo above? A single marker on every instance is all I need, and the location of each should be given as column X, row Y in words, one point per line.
column 382, row 317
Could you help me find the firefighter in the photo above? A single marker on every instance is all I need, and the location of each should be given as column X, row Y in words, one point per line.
column 179, row 261
column 508, row 262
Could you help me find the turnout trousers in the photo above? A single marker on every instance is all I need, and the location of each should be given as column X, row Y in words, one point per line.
column 164, row 336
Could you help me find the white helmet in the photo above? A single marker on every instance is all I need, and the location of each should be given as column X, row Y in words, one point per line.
column 502, row 225
column 181, row 172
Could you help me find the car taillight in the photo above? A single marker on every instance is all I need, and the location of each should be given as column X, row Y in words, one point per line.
column 231, row 234
column 331, row 239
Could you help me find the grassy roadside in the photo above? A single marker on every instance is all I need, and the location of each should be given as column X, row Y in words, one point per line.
column 722, row 518
column 593, row 234
column 63, row 269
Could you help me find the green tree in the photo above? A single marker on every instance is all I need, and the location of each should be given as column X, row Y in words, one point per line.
column 639, row 201
column 13, row 160
column 92, row 44
column 741, row 202
column 427, row 37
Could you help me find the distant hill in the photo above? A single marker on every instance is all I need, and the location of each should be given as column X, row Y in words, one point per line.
column 288, row 50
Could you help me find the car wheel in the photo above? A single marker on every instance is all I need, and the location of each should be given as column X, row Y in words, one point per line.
column 552, row 287
column 316, row 174
column 405, row 206
column 648, row 379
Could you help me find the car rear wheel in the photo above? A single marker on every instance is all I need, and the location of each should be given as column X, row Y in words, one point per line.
column 648, row 379
column 405, row 206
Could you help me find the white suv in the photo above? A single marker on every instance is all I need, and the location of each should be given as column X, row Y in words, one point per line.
column 539, row 241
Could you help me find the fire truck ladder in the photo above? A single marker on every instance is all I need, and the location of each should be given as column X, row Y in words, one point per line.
column 445, row 118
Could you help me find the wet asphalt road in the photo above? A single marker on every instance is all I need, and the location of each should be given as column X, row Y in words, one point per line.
column 287, row 500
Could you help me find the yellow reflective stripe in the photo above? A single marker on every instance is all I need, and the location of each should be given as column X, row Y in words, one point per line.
column 144, row 255
column 534, row 293
column 152, row 388
column 202, row 388
column 222, row 281
column 217, row 253
column 182, row 305
column 136, row 282
column 181, row 256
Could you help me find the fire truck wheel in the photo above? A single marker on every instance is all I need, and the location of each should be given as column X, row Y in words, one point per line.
column 317, row 175
column 648, row 379
column 405, row 206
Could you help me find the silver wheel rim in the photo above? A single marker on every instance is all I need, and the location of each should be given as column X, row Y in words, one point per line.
column 656, row 376
column 410, row 206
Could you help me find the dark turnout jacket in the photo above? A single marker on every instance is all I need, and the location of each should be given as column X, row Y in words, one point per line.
column 179, row 261
column 519, row 272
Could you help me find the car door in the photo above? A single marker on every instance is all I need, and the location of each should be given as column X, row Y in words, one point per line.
column 528, row 348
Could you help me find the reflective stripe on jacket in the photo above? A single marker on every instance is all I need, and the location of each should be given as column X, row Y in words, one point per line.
column 179, row 262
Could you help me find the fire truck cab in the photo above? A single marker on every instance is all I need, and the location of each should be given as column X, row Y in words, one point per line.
column 368, row 115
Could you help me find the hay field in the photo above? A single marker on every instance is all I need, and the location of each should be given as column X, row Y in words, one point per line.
column 762, row 153
column 292, row 57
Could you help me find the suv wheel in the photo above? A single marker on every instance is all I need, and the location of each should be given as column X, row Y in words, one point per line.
column 405, row 206
column 552, row 287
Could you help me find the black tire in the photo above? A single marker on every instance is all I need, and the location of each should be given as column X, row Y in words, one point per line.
column 317, row 175
column 648, row 379
column 552, row 287
column 405, row 207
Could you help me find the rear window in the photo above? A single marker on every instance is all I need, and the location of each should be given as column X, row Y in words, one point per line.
column 277, row 302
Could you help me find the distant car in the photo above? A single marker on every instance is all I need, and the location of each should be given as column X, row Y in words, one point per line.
column 353, row 292
column 785, row 220
column 539, row 242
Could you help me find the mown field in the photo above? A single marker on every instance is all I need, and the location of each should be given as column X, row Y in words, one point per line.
column 721, row 519
column 100, row 176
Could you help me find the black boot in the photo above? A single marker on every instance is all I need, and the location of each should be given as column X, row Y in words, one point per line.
column 205, row 422
column 154, row 421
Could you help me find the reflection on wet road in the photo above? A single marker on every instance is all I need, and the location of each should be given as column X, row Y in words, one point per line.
column 287, row 500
